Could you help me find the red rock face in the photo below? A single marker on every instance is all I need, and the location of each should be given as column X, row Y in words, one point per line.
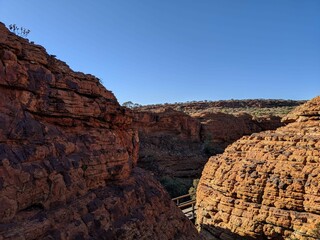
column 170, row 143
column 176, row 144
column 218, row 130
column 265, row 186
column 68, row 154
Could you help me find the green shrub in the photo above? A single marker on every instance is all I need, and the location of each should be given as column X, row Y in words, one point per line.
column 316, row 231
column 174, row 186
column 208, row 149
column 193, row 189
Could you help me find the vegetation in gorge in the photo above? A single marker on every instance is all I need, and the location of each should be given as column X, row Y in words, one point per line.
column 175, row 186
column 193, row 189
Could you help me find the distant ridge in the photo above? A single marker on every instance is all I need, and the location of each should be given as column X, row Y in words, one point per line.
column 255, row 107
column 232, row 103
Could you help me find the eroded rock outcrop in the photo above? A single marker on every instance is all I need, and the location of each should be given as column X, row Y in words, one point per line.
column 68, row 153
column 265, row 186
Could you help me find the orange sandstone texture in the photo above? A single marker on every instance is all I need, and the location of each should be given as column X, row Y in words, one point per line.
column 68, row 153
column 265, row 186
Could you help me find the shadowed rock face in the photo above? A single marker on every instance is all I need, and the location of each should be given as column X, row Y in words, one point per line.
column 170, row 143
column 266, row 185
column 68, row 154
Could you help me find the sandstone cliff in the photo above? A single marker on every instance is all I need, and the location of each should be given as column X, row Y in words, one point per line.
column 218, row 130
column 265, row 186
column 68, row 153
column 175, row 146
column 200, row 128
column 170, row 143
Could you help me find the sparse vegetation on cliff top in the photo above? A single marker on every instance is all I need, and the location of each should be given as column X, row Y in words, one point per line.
column 20, row 31
column 254, row 107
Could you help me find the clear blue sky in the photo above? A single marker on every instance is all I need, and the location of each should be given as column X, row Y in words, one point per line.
column 157, row 51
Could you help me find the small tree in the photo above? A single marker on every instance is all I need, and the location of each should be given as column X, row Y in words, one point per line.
column 20, row 31
column 194, row 187
column 174, row 186
column 130, row 104
column 316, row 231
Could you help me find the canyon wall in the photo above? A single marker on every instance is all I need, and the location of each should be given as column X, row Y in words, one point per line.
column 68, row 155
column 175, row 145
column 265, row 186
column 170, row 143
column 218, row 130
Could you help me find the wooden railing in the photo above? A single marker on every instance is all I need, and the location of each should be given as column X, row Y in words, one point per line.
column 186, row 204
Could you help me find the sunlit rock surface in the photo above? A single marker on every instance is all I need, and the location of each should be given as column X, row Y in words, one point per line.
column 265, row 186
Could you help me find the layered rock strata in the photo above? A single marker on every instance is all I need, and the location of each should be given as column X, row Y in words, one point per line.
column 176, row 144
column 68, row 153
column 218, row 130
column 265, row 186
column 170, row 143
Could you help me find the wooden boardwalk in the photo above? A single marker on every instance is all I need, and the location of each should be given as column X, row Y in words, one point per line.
column 187, row 205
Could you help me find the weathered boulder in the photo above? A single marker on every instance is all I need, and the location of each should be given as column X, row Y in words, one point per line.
column 265, row 186
column 68, row 155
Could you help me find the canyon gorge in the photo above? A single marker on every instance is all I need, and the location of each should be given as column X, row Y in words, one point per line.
column 75, row 164
column 176, row 140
